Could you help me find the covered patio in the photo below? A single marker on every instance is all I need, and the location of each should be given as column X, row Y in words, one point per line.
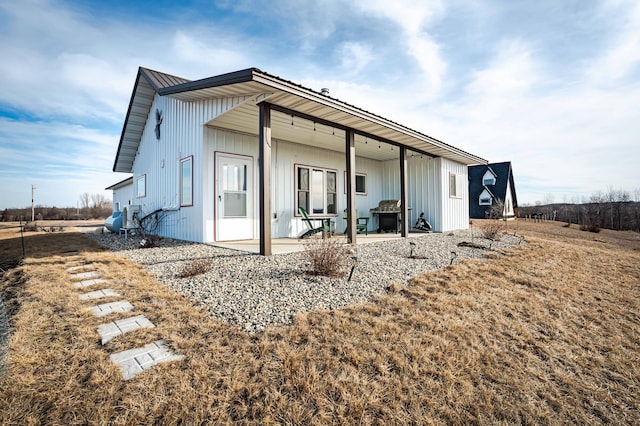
column 292, row 245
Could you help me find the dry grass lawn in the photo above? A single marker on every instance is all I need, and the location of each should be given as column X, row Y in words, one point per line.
column 548, row 332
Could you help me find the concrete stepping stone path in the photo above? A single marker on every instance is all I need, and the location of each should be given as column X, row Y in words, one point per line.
column 98, row 294
column 80, row 267
column 107, row 308
column 85, row 275
column 87, row 283
column 135, row 361
column 115, row 328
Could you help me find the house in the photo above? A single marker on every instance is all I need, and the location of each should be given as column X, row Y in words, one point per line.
column 491, row 186
column 232, row 157
column 122, row 193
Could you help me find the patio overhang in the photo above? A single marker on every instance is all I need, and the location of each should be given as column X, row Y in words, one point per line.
column 285, row 97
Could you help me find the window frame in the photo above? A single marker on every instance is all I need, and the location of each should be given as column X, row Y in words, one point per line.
column 183, row 161
column 488, row 201
column 453, row 186
column 142, row 178
column 309, row 190
column 358, row 174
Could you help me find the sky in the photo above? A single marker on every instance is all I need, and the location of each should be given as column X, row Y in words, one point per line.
column 552, row 86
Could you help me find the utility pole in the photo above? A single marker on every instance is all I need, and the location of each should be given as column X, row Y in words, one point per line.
column 33, row 216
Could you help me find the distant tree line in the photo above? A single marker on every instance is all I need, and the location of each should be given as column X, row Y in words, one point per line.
column 91, row 206
column 613, row 209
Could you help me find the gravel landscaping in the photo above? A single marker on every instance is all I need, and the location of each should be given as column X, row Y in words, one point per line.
column 256, row 292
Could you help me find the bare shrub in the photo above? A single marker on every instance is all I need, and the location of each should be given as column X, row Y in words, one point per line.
column 328, row 256
column 195, row 267
column 493, row 230
column 594, row 227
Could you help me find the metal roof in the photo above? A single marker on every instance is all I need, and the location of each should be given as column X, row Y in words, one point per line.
column 122, row 183
column 284, row 95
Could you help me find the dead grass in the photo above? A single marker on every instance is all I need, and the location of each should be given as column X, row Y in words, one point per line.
column 546, row 333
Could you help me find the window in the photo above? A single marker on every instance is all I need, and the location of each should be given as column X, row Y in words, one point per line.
column 488, row 178
column 456, row 189
column 485, row 201
column 316, row 190
column 361, row 183
column 141, row 186
column 186, row 182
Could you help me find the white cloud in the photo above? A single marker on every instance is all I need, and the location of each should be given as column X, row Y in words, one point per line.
column 355, row 56
column 414, row 19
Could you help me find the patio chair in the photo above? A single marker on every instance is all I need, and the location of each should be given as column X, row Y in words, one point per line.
column 362, row 223
column 325, row 225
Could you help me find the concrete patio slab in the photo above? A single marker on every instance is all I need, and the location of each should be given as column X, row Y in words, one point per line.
column 115, row 328
column 87, row 283
column 107, row 308
column 135, row 361
column 98, row 294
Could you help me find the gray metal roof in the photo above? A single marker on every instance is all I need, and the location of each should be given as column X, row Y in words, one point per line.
column 122, row 183
column 278, row 92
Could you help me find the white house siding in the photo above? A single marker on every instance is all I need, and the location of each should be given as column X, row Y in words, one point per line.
column 455, row 211
column 181, row 136
column 423, row 188
column 229, row 142
column 285, row 156
column 122, row 196
column 508, row 202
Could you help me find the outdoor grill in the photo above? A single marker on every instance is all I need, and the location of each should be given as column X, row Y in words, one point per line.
column 387, row 213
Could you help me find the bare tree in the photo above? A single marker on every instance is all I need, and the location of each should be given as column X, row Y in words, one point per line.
column 98, row 200
column 84, row 200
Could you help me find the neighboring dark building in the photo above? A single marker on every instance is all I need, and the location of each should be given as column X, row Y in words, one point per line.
column 489, row 184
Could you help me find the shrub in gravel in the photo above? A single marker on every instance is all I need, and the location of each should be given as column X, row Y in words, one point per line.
column 328, row 256
column 195, row 267
column 493, row 230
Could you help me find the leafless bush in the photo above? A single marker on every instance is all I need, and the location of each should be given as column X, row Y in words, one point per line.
column 493, row 230
column 594, row 227
column 195, row 267
column 328, row 256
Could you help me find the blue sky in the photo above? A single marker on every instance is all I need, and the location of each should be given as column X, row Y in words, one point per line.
column 552, row 86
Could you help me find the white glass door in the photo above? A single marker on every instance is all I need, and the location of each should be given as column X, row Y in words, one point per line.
column 234, row 195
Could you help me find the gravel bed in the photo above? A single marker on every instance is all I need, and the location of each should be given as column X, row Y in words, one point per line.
column 256, row 292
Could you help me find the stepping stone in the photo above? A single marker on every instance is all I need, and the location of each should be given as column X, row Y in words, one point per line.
column 110, row 330
column 84, row 275
column 98, row 294
column 107, row 308
column 80, row 267
column 135, row 361
column 87, row 283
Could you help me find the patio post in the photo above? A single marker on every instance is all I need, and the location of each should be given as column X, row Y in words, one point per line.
column 404, row 209
column 264, row 162
column 350, row 158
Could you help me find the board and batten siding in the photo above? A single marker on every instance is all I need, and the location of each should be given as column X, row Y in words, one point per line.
column 285, row 156
column 122, row 197
column 423, row 188
column 181, row 136
column 428, row 191
column 455, row 210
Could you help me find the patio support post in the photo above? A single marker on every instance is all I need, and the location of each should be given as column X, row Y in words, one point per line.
column 350, row 150
column 404, row 209
column 264, row 162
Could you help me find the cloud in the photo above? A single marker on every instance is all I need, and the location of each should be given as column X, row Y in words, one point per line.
column 355, row 56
